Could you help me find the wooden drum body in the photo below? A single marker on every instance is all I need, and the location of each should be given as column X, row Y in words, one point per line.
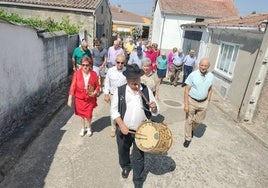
column 153, row 137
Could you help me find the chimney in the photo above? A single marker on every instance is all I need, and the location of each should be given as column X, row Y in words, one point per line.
column 119, row 8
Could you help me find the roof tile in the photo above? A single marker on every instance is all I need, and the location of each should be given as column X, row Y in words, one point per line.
column 79, row 4
column 203, row 8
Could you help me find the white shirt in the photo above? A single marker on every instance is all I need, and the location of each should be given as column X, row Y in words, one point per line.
column 86, row 78
column 114, row 78
column 135, row 59
column 134, row 114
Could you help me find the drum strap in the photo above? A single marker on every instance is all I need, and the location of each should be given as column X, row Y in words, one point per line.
column 122, row 102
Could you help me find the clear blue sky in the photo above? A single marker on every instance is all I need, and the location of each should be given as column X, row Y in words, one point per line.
column 143, row 7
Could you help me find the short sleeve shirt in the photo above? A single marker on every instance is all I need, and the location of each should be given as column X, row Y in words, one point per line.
column 99, row 56
column 199, row 84
column 78, row 54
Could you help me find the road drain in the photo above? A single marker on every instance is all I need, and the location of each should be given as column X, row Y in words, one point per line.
column 172, row 103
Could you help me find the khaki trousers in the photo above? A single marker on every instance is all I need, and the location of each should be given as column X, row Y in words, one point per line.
column 196, row 114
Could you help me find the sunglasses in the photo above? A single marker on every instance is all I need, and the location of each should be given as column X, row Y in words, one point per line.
column 120, row 62
column 85, row 65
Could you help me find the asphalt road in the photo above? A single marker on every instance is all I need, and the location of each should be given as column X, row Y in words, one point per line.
column 221, row 154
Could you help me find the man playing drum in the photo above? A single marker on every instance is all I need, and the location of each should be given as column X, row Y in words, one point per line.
column 131, row 105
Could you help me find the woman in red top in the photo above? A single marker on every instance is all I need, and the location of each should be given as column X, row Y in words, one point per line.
column 85, row 88
column 152, row 56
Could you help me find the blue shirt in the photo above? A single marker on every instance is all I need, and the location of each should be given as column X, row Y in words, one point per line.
column 199, row 84
column 162, row 63
column 189, row 61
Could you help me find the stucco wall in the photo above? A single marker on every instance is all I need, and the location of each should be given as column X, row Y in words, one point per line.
column 262, row 108
column 166, row 31
column 104, row 18
column 32, row 67
column 234, row 89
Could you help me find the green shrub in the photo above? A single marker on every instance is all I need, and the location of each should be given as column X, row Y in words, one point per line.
column 48, row 24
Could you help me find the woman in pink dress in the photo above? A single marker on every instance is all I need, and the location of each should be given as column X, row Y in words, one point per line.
column 84, row 88
column 170, row 60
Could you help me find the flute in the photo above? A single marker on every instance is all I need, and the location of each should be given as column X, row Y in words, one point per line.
column 142, row 94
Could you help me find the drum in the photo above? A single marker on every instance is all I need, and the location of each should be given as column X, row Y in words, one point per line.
column 153, row 137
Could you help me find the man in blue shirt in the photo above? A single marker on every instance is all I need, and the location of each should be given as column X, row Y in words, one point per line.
column 189, row 64
column 197, row 95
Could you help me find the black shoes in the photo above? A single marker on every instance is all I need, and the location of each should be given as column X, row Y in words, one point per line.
column 186, row 143
column 125, row 173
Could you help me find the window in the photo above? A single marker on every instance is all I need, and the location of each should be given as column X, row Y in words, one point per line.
column 227, row 59
column 193, row 35
column 199, row 20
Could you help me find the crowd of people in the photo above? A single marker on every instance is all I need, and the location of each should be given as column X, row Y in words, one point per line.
column 130, row 76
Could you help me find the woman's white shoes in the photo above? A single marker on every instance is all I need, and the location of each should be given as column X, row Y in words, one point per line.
column 89, row 132
column 82, row 133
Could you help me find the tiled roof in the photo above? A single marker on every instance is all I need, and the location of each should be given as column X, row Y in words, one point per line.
column 78, row 4
column 252, row 20
column 119, row 14
column 201, row 8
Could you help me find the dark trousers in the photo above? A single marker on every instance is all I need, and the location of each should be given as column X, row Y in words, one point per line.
column 186, row 71
column 124, row 143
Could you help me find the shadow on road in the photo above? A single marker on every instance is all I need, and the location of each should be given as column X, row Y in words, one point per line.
column 158, row 164
column 100, row 124
column 200, row 130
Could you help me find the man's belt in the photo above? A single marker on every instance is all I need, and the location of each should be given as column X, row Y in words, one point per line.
column 177, row 65
column 202, row 100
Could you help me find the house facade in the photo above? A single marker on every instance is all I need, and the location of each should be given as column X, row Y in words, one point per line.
column 169, row 15
column 93, row 15
column 238, row 51
column 125, row 21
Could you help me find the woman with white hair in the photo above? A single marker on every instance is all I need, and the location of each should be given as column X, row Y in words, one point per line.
column 149, row 78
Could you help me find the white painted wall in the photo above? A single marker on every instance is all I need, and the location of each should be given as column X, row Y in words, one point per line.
column 172, row 35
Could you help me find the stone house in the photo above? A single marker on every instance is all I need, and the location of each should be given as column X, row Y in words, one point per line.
column 169, row 15
column 238, row 50
column 94, row 15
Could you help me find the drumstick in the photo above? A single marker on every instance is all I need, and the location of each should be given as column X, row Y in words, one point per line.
column 141, row 138
column 133, row 132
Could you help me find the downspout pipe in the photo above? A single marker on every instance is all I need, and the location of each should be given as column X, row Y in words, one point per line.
column 162, row 30
column 254, row 29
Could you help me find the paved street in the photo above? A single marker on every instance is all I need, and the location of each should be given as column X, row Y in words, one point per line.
column 221, row 154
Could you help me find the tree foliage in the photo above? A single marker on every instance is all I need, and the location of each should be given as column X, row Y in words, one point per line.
column 49, row 24
column 137, row 31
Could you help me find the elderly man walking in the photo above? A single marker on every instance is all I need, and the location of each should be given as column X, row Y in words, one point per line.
column 197, row 95
column 114, row 79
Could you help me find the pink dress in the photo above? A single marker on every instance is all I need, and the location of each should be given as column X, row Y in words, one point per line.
column 170, row 60
column 152, row 57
